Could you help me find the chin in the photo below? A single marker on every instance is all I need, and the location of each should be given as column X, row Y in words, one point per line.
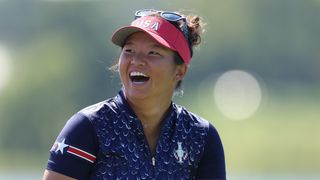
column 136, row 94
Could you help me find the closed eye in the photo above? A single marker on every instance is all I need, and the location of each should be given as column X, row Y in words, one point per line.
column 128, row 50
column 154, row 53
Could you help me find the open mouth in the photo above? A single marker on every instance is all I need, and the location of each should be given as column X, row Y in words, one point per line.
column 138, row 77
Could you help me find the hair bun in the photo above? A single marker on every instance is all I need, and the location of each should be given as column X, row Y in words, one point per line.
column 195, row 28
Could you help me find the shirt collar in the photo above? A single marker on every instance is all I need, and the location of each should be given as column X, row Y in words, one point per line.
column 123, row 103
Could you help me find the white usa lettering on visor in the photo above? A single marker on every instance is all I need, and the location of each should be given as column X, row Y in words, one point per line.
column 147, row 24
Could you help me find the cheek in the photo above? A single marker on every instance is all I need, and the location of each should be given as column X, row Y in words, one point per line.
column 122, row 68
column 166, row 73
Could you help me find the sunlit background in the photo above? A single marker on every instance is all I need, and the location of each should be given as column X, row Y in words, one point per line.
column 256, row 77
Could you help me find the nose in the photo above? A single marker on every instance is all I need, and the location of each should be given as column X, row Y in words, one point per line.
column 138, row 59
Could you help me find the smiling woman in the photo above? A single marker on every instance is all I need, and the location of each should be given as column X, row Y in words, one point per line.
column 141, row 133
column 5, row 67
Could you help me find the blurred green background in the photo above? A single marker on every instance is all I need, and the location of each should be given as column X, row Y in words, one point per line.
column 55, row 54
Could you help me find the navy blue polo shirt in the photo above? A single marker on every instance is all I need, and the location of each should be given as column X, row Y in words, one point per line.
column 107, row 141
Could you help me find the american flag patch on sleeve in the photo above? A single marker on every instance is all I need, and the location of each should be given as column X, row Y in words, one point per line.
column 62, row 147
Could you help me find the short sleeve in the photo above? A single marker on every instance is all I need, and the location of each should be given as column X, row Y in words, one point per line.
column 74, row 152
column 212, row 163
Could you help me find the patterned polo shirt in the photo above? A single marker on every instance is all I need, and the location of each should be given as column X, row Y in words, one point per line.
column 107, row 141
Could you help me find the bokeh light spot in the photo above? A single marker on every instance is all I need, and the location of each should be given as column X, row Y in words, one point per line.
column 237, row 94
column 5, row 67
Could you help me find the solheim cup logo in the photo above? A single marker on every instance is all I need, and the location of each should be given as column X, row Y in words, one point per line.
column 180, row 154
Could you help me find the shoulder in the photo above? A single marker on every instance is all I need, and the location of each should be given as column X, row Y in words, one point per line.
column 207, row 130
column 99, row 109
column 212, row 164
column 83, row 122
column 192, row 118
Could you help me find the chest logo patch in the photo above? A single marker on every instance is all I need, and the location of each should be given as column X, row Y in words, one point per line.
column 180, row 153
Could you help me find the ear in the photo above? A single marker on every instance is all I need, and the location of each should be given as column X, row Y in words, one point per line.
column 181, row 71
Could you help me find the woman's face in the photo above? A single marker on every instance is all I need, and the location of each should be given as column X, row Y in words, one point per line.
column 147, row 69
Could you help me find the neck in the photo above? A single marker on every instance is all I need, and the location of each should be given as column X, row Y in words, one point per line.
column 150, row 112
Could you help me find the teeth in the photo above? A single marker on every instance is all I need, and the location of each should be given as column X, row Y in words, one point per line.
column 135, row 73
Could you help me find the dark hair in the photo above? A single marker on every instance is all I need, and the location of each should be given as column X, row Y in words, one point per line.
column 195, row 29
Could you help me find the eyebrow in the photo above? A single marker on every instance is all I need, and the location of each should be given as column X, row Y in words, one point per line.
column 153, row 45
column 159, row 46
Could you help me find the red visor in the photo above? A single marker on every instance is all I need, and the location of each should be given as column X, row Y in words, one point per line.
column 161, row 30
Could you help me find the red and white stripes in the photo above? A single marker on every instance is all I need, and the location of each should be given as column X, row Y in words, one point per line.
column 63, row 147
column 82, row 154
